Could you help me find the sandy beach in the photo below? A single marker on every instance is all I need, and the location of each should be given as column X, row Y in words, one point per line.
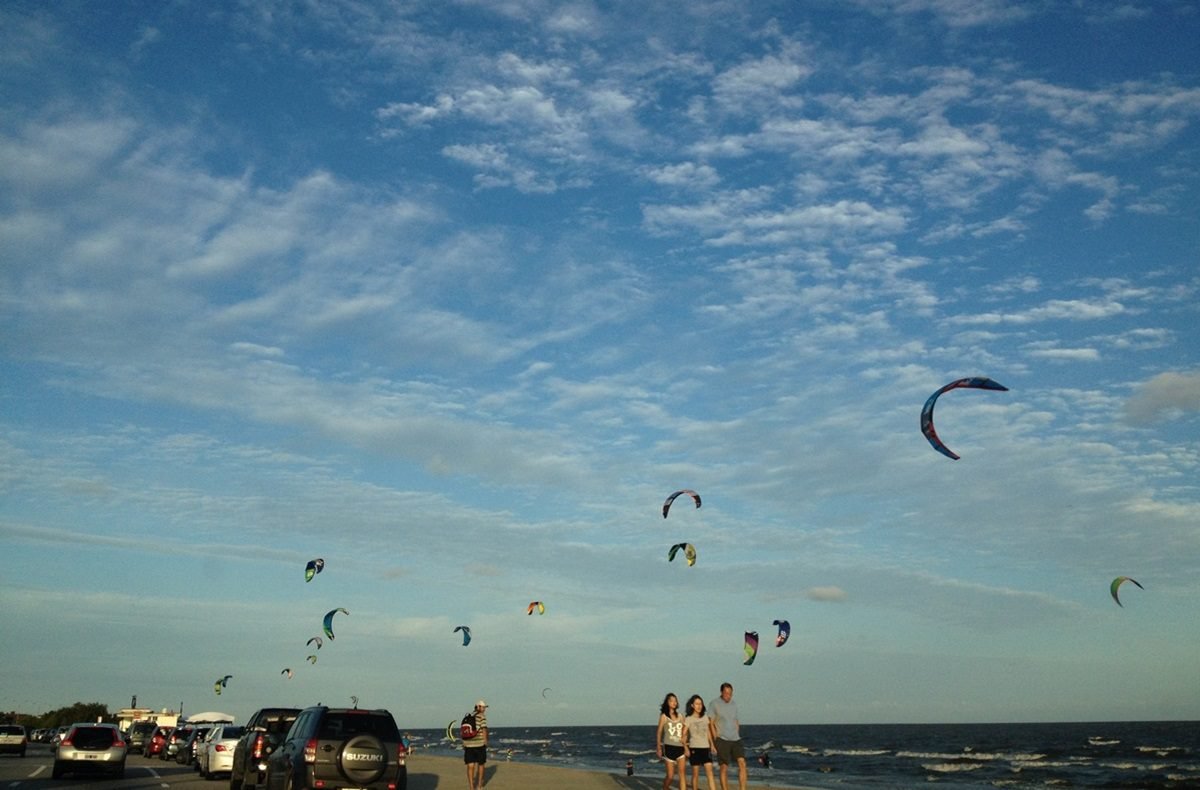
column 426, row 772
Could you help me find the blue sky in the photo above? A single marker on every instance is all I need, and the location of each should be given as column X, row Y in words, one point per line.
column 453, row 294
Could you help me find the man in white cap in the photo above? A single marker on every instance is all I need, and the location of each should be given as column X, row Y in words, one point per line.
column 475, row 745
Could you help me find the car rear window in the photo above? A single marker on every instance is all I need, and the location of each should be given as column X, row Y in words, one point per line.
column 344, row 725
column 92, row 737
column 231, row 733
column 278, row 723
column 11, row 729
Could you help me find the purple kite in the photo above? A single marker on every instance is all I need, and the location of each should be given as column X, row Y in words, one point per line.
column 671, row 498
column 751, row 647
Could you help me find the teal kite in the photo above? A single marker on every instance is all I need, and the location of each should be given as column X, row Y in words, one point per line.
column 329, row 620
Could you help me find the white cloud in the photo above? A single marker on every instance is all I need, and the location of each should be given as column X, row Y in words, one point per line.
column 1053, row 310
column 745, row 85
column 955, row 13
column 825, row 594
column 688, row 175
column 1164, row 396
column 733, row 220
column 1050, row 350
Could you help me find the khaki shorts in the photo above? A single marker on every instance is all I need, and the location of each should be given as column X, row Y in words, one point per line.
column 729, row 751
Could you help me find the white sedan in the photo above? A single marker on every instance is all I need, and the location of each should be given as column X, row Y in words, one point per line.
column 214, row 755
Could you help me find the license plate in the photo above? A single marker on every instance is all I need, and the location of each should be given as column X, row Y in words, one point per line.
column 91, row 757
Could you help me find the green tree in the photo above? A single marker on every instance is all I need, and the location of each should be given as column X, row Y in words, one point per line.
column 79, row 711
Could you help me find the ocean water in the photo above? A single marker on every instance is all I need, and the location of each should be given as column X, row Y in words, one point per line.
column 1143, row 755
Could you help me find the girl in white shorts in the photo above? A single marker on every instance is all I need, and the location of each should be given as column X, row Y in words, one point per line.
column 669, row 741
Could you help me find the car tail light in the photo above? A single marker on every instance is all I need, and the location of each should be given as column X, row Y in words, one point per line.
column 66, row 741
column 310, row 751
column 258, row 746
column 220, row 747
column 117, row 740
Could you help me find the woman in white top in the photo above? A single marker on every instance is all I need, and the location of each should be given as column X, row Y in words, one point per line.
column 699, row 734
column 669, row 740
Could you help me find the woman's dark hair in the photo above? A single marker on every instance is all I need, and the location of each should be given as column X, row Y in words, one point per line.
column 692, row 699
column 666, row 709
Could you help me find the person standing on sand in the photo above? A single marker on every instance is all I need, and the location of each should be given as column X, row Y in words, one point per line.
column 475, row 748
column 729, row 736
column 698, row 736
column 668, row 739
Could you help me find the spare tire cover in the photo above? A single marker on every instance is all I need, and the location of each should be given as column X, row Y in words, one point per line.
column 363, row 759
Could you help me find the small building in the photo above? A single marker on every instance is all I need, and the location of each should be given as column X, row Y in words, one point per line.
column 165, row 717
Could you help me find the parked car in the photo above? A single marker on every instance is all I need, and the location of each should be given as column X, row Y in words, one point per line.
column 339, row 747
column 156, row 743
column 175, row 739
column 186, row 755
column 139, row 733
column 215, row 755
column 264, row 730
column 91, row 747
column 13, row 739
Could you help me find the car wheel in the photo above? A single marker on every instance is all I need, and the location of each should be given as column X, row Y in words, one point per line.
column 119, row 773
column 57, row 771
column 235, row 781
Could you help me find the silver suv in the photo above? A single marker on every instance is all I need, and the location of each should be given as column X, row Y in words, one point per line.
column 339, row 747
column 138, row 734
